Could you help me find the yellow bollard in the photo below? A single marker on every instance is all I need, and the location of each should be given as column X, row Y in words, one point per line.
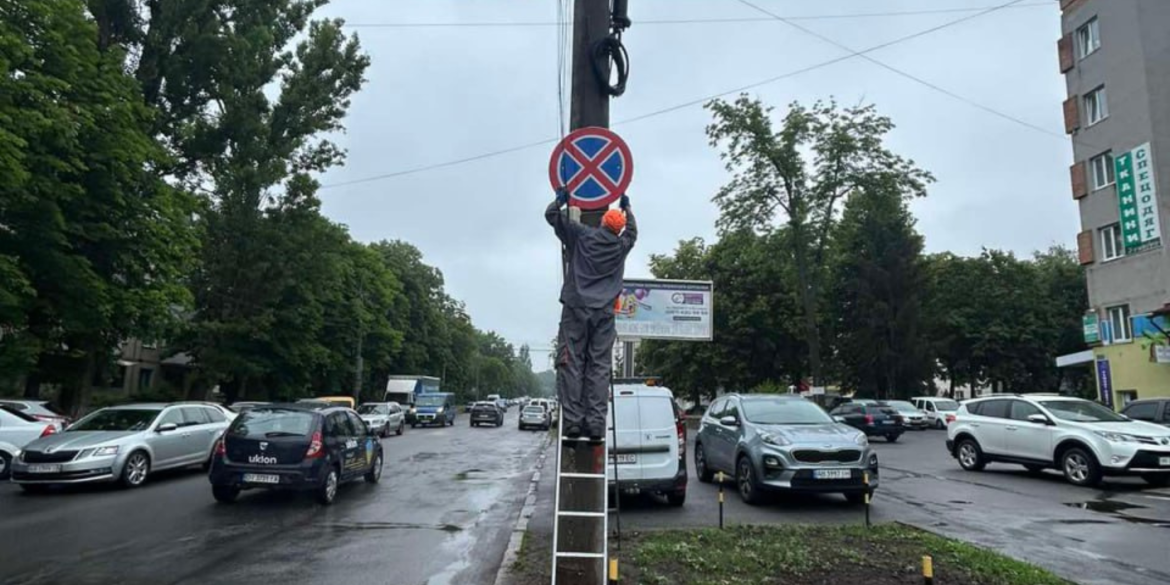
column 928, row 570
column 720, row 478
column 613, row 570
column 865, row 480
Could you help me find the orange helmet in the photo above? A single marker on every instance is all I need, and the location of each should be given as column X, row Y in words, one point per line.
column 614, row 220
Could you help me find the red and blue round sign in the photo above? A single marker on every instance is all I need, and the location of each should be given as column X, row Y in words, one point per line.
column 594, row 165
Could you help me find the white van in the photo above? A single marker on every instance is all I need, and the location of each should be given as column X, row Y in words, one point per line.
column 939, row 411
column 651, row 443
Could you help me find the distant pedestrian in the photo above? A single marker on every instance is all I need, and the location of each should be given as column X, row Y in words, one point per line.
column 593, row 281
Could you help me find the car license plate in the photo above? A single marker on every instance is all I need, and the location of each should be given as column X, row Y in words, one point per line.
column 44, row 468
column 832, row 474
column 261, row 478
column 623, row 458
column 1164, row 461
column 887, row 422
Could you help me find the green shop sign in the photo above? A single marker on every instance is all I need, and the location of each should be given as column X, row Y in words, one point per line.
column 1137, row 197
column 1092, row 328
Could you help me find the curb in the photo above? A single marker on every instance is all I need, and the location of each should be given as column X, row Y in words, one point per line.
column 526, row 511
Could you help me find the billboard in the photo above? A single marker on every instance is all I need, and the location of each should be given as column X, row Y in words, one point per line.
column 680, row 310
column 1137, row 196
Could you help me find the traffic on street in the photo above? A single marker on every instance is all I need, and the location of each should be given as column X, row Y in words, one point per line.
column 440, row 514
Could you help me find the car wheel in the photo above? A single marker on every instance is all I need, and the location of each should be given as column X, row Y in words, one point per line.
column 5, row 465
column 855, row 498
column 677, row 499
column 970, row 455
column 1157, row 479
column 1080, row 467
column 701, row 470
column 1034, row 468
column 892, row 438
column 375, row 473
column 327, row 492
column 414, row 425
column 745, row 479
column 401, row 429
column 938, row 424
column 225, row 494
column 135, row 470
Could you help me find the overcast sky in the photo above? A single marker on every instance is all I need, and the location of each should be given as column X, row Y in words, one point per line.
column 435, row 94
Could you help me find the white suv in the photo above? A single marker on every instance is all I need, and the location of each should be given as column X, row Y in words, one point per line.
column 1082, row 439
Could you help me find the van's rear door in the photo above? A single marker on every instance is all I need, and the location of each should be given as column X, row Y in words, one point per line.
column 658, row 455
column 628, row 447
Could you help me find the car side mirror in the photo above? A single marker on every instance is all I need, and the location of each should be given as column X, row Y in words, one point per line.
column 166, row 428
column 729, row 421
column 839, row 419
column 1039, row 419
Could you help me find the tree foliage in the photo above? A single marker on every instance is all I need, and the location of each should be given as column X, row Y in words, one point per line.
column 796, row 176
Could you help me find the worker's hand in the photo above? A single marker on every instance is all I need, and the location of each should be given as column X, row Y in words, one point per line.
column 625, row 203
column 562, row 196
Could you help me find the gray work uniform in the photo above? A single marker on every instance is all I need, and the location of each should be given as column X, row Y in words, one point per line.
column 596, row 266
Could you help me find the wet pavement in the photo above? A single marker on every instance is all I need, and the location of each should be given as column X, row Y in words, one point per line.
column 441, row 515
column 1118, row 534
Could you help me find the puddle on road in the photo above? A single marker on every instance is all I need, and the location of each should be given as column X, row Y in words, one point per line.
column 1115, row 509
column 964, row 502
column 451, row 528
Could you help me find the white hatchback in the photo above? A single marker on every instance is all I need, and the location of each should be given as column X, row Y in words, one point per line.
column 939, row 411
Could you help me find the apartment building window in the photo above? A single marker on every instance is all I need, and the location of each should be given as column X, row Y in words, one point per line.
column 1102, row 165
column 1111, row 246
column 1119, row 321
column 1096, row 106
column 1088, row 38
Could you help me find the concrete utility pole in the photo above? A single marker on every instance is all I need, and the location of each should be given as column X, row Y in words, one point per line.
column 589, row 107
column 589, row 101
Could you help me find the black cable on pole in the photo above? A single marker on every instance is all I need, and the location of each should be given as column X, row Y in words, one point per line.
column 605, row 50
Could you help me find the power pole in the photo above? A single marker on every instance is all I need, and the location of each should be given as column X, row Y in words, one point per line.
column 589, row 102
column 590, row 93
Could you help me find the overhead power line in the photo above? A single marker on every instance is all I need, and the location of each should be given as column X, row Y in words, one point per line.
column 693, row 102
column 846, row 16
column 910, row 76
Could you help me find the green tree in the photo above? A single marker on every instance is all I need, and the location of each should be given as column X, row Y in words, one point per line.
column 93, row 243
column 879, row 281
column 796, row 176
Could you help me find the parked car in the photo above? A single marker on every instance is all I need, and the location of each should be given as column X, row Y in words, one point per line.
column 912, row 417
column 780, row 442
column 294, row 447
column 122, row 443
column 486, row 413
column 38, row 409
column 1082, row 439
column 1153, row 410
column 650, row 450
column 939, row 411
column 383, row 418
column 17, row 430
column 874, row 418
column 435, row 408
column 535, row 416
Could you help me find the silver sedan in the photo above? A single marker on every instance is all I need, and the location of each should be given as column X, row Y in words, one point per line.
column 123, row 444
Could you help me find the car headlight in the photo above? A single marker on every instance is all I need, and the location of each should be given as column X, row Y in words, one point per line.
column 1116, row 437
column 861, row 439
column 440, row 411
column 776, row 440
column 105, row 451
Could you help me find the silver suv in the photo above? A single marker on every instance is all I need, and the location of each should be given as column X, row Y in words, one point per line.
column 773, row 442
column 1082, row 439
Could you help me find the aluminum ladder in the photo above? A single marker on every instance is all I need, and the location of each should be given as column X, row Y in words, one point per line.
column 581, row 525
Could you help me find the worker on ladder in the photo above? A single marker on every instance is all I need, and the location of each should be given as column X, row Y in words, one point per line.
column 593, row 280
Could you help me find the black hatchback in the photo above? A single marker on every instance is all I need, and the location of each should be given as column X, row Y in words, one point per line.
column 874, row 418
column 294, row 447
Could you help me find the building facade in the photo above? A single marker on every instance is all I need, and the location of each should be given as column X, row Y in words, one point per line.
column 1115, row 56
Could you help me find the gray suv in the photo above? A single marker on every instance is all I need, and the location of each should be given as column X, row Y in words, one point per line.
column 776, row 442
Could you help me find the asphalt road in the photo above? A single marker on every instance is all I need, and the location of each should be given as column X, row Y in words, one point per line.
column 441, row 515
column 1040, row 519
